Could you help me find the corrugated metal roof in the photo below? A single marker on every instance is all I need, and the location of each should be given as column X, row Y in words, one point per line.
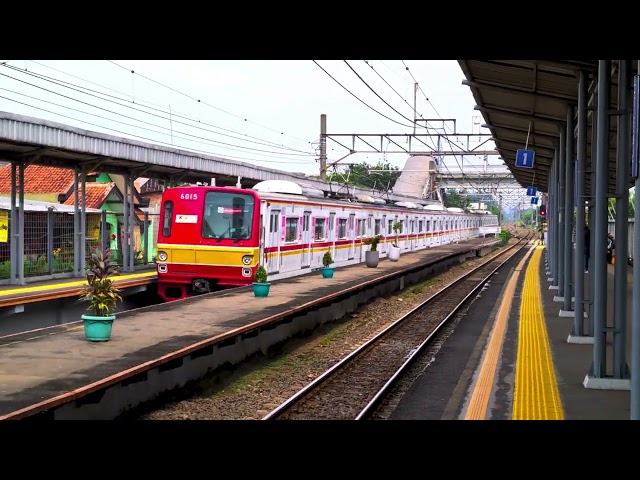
column 63, row 145
column 38, row 206
column 530, row 98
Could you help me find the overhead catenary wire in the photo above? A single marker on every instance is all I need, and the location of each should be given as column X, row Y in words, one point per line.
column 376, row 93
column 221, row 157
column 149, row 123
column 403, row 99
column 201, row 101
column 443, row 135
column 171, row 132
column 173, row 113
column 360, row 100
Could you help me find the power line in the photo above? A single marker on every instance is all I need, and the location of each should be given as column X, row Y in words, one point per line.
column 383, row 79
column 92, row 83
column 65, row 84
column 446, row 137
column 200, row 101
column 205, row 142
column 145, row 122
column 139, row 136
column 403, row 99
column 377, row 95
column 419, row 87
column 361, row 101
column 430, row 103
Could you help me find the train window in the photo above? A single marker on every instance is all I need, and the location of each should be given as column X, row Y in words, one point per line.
column 342, row 228
column 376, row 230
column 227, row 215
column 291, row 229
column 332, row 217
column 390, row 227
column 420, row 225
column 369, row 222
column 319, row 235
column 361, row 227
column 168, row 218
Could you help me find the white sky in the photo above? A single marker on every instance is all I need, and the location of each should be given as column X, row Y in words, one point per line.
column 281, row 100
column 262, row 112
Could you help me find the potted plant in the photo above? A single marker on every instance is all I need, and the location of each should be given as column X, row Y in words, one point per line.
column 101, row 294
column 327, row 269
column 372, row 256
column 260, row 283
column 394, row 249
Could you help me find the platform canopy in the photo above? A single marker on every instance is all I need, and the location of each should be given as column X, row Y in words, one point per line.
column 524, row 104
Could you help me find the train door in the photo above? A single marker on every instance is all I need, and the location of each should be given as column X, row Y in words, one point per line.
column 412, row 231
column 331, row 236
column 273, row 242
column 385, row 234
column 407, row 231
column 352, row 236
column 306, row 240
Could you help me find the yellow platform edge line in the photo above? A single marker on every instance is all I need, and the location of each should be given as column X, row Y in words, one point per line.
column 536, row 395
column 75, row 283
column 479, row 401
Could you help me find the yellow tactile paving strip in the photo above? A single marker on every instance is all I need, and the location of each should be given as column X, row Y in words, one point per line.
column 479, row 401
column 536, row 395
column 74, row 283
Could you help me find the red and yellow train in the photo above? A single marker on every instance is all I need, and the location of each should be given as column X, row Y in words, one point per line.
column 216, row 237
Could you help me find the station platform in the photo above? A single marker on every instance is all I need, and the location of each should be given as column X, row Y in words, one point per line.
column 548, row 373
column 39, row 291
column 56, row 373
column 515, row 362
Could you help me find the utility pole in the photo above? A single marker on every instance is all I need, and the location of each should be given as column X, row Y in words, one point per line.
column 415, row 111
column 323, row 146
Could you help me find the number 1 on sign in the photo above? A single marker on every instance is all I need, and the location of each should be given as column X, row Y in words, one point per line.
column 525, row 158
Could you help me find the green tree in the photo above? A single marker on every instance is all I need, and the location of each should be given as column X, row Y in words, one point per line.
column 360, row 175
column 495, row 210
column 453, row 199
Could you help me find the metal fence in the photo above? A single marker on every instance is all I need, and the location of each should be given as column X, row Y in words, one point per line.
column 49, row 238
column 145, row 237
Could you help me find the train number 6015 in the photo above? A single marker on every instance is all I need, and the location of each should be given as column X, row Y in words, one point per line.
column 188, row 196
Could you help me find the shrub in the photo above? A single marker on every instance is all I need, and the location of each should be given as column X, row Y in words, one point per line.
column 261, row 275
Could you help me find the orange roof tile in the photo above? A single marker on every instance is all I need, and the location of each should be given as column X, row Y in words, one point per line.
column 96, row 194
column 39, row 179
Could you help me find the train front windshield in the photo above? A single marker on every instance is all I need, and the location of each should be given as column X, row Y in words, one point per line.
column 227, row 215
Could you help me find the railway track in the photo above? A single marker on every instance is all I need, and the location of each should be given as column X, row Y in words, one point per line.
column 356, row 385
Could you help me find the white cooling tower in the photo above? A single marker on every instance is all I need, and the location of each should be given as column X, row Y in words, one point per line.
column 414, row 179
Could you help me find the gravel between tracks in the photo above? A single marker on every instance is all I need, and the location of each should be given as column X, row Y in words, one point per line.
column 259, row 385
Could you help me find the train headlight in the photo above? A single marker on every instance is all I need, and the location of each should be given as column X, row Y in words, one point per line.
column 162, row 256
column 247, row 259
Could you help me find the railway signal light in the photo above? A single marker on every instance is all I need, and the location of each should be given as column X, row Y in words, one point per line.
column 543, row 210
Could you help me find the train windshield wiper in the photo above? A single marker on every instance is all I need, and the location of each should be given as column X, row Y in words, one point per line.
column 223, row 234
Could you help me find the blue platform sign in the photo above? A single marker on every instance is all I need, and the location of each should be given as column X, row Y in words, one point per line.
column 531, row 191
column 534, row 200
column 524, row 158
